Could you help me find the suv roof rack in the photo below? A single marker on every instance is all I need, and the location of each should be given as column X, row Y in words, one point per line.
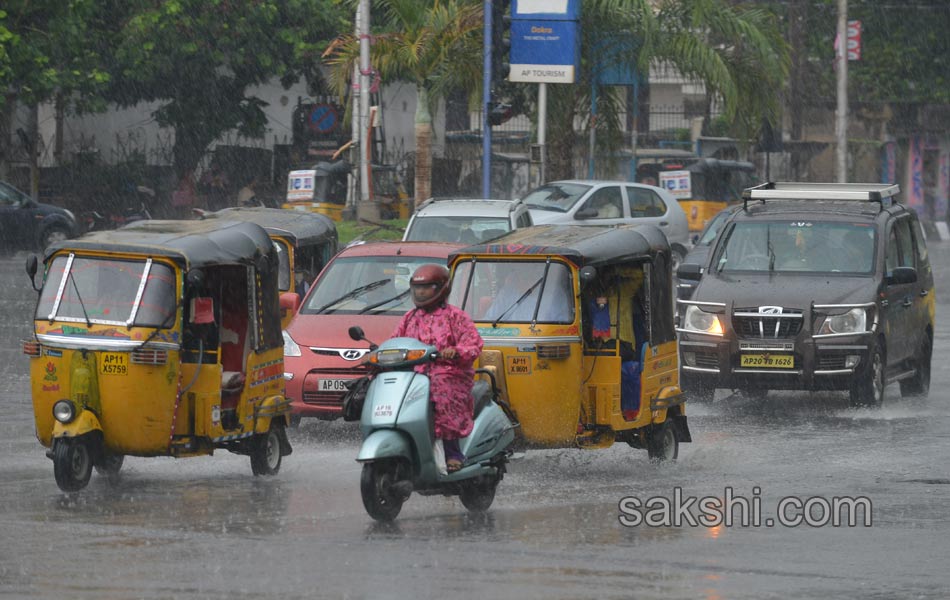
column 882, row 193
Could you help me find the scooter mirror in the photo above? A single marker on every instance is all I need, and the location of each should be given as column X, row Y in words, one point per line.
column 356, row 333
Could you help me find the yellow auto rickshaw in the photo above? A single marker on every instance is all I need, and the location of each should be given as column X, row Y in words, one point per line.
column 305, row 243
column 703, row 186
column 322, row 188
column 158, row 339
column 578, row 326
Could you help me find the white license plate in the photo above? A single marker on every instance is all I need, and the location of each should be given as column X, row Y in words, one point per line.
column 332, row 385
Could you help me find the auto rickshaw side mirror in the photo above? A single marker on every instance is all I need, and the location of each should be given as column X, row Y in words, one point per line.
column 194, row 279
column 689, row 272
column 290, row 301
column 32, row 265
column 356, row 333
column 588, row 275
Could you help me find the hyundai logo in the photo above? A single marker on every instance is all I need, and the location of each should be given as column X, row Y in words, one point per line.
column 352, row 354
column 770, row 310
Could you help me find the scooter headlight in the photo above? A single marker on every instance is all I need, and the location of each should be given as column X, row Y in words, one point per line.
column 64, row 411
column 290, row 346
column 390, row 357
column 853, row 321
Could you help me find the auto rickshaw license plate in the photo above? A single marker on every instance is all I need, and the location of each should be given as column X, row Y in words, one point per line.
column 114, row 363
column 768, row 361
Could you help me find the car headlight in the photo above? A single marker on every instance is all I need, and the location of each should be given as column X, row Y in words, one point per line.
column 290, row 346
column 696, row 319
column 853, row 321
column 64, row 411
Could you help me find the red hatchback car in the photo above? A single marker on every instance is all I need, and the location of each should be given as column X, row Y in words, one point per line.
column 365, row 285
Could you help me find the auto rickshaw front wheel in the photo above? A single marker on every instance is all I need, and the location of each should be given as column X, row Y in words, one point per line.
column 72, row 463
column 662, row 444
column 265, row 452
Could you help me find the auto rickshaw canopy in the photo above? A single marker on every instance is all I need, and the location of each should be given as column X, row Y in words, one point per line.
column 299, row 227
column 192, row 244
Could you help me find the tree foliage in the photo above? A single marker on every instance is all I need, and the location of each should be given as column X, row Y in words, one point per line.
column 905, row 54
column 199, row 58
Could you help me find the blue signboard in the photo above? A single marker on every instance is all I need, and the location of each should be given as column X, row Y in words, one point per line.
column 546, row 10
column 544, row 51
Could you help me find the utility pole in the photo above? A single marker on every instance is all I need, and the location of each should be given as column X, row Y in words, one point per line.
column 486, row 96
column 841, row 117
column 367, row 208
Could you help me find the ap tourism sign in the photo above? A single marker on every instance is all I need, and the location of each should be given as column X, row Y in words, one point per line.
column 544, row 51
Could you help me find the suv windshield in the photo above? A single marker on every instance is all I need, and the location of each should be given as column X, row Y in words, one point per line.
column 111, row 292
column 558, row 197
column 467, row 230
column 514, row 292
column 356, row 285
column 798, row 246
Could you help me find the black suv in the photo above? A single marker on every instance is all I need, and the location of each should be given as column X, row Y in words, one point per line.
column 811, row 287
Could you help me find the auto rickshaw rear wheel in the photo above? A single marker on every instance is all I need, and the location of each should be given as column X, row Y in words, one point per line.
column 72, row 463
column 109, row 465
column 265, row 451
column 478, row 493
column 662, row 444
column 381, row 501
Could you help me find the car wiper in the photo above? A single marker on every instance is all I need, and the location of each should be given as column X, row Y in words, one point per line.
column 386, row 301
column 769, row 248
column 520, row 299
column 353, row 293
column 547, row 207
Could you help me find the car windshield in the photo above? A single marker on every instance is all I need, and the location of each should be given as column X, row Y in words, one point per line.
column 798, row 246
column 467, row 230
column 355, row 285
column 559, row 197
column 514, row 292
column 111, row 292
column 712, row 228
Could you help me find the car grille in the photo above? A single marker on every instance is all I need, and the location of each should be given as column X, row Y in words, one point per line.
column 772, row 326
column 831, row 363
column 311, row 393
column 707, row 360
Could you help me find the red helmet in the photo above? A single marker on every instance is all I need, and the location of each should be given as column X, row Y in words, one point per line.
column 430, row 277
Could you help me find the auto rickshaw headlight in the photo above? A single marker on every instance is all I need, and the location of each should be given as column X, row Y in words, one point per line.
column 64, row 411
column 290, row 346
column 696, row 319
column 853, row 321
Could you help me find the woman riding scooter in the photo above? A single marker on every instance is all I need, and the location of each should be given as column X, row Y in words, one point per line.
column 453, row 333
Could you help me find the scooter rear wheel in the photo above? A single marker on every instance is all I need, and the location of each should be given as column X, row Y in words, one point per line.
column 478, row 494
column 379, row 499
column 72, row 464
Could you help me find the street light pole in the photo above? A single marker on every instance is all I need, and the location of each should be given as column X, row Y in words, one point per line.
column 841, row 117
column 486, row 97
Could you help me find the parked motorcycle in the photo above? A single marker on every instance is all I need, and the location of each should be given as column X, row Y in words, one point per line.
column 398, row 451
column 96, row 221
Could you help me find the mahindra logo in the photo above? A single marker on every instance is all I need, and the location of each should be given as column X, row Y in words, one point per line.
column 770, row 310
column 352, row 354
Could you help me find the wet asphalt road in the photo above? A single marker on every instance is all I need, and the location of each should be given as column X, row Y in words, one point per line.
column 205, row 528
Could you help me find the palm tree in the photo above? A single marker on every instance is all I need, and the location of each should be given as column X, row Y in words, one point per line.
column 434, row 44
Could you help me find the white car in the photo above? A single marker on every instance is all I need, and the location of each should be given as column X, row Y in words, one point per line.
column 592, row 202
column 466, row 221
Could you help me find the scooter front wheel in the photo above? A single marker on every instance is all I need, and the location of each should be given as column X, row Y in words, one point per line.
column 380, row 499
column 72, row 464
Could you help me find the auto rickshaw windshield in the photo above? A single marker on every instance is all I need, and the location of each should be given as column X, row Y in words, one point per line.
column 514, row 292
column 112, row 292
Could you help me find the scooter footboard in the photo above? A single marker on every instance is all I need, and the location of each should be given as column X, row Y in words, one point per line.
column 385, row 443
column 492, row 433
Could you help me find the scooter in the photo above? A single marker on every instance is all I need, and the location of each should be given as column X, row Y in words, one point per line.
column 398, row 453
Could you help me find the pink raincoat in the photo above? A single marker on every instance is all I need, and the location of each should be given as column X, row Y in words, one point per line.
column 450, row 381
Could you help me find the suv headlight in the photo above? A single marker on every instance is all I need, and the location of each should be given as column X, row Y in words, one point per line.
column 853, row 321
column 290, row 346
column 696, row 319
